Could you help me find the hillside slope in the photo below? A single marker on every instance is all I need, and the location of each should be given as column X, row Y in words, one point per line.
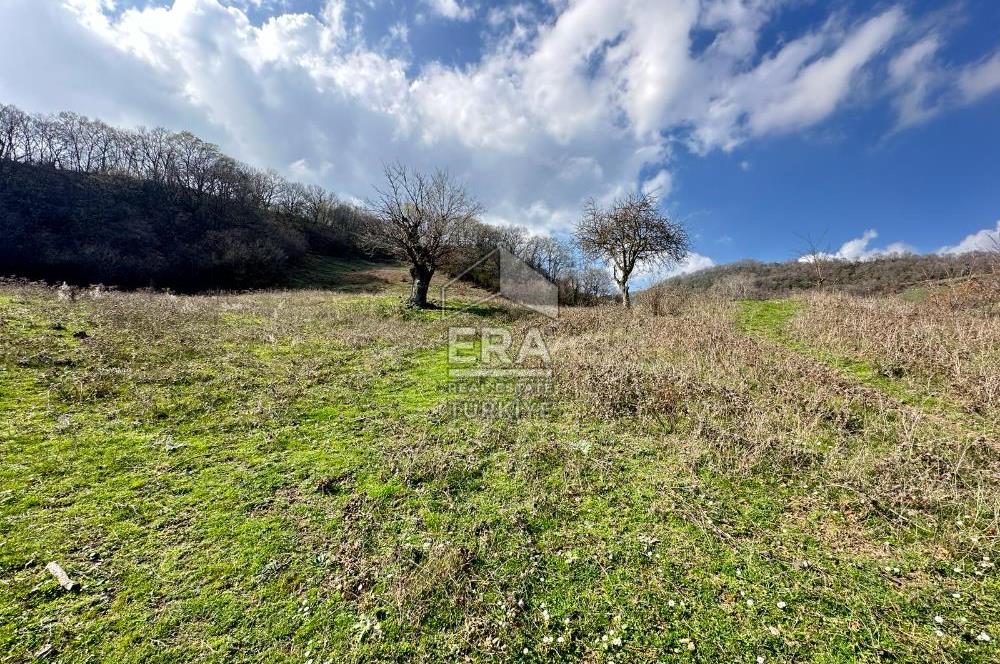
column 283, row 477
column 83, row 228
column 878, row 276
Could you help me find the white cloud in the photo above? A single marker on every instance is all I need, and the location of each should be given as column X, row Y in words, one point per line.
column 987, row 239
column 647, row 274
column 692, row 263
column 926, row 87
column 914, row 74
column 981, row 79
column 857, row 249
column 820, row 86
column 451, row 9
column 399, row 32
column 659, row 184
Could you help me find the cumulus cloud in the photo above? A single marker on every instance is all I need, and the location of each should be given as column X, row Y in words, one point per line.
column 647, row 274
column 451, row 9
column 572, row 100
column 988, row 239
column 659, row 185
column 858, row 249
column 691, row 263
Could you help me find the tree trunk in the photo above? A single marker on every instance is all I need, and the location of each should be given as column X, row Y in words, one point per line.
column 421, row 277
column 626, row 297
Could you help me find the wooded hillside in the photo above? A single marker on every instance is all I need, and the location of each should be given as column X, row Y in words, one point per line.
column 879, row 276
column 84, row 202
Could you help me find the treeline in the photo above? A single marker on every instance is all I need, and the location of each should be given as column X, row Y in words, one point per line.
column 580, row 280
column 752, row 279
column 85, row 202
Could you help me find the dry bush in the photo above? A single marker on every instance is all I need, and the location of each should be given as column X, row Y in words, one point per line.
column 735, row 287
column 923, row 342
column 978, row 292
column 746, row 405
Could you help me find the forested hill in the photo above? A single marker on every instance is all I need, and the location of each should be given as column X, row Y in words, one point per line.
column 84, row 202
column 87, row 203
column 885, row 275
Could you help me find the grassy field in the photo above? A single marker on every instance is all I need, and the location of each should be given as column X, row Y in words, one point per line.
column 279, row 477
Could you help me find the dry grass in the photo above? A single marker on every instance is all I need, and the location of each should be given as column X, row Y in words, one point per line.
column 801, row 401
column 952, row 350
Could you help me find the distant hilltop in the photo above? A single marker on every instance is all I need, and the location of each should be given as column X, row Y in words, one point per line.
column 885, row 275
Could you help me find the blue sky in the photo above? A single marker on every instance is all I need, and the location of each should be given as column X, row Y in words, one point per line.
column 862, row 127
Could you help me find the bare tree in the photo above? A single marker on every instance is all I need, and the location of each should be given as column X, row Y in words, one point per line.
column 818, row 256
column 419, row 218
column 512, row 238
column 630, row 230
column 595, row 283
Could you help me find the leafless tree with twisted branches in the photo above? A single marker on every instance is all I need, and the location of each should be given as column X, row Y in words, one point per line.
column 419, row 218
column 629, row 231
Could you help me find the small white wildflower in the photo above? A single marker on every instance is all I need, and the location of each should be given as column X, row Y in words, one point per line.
column 617, row 642
column 525, row 651
column 547, row 640
column 561, row 640
column 545, row 615
column 773, row 630
column 671, row 603
column 983, row 636
column 781, row 605
column 565, row 621
column 957, row 595
column 749, row 602
column 691, row 645
column 938, row 633
column 938, row 619
column 760, row 659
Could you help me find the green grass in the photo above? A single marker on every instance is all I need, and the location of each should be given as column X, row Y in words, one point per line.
column 274, row 478
column 348, row 275
column 766, row 317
